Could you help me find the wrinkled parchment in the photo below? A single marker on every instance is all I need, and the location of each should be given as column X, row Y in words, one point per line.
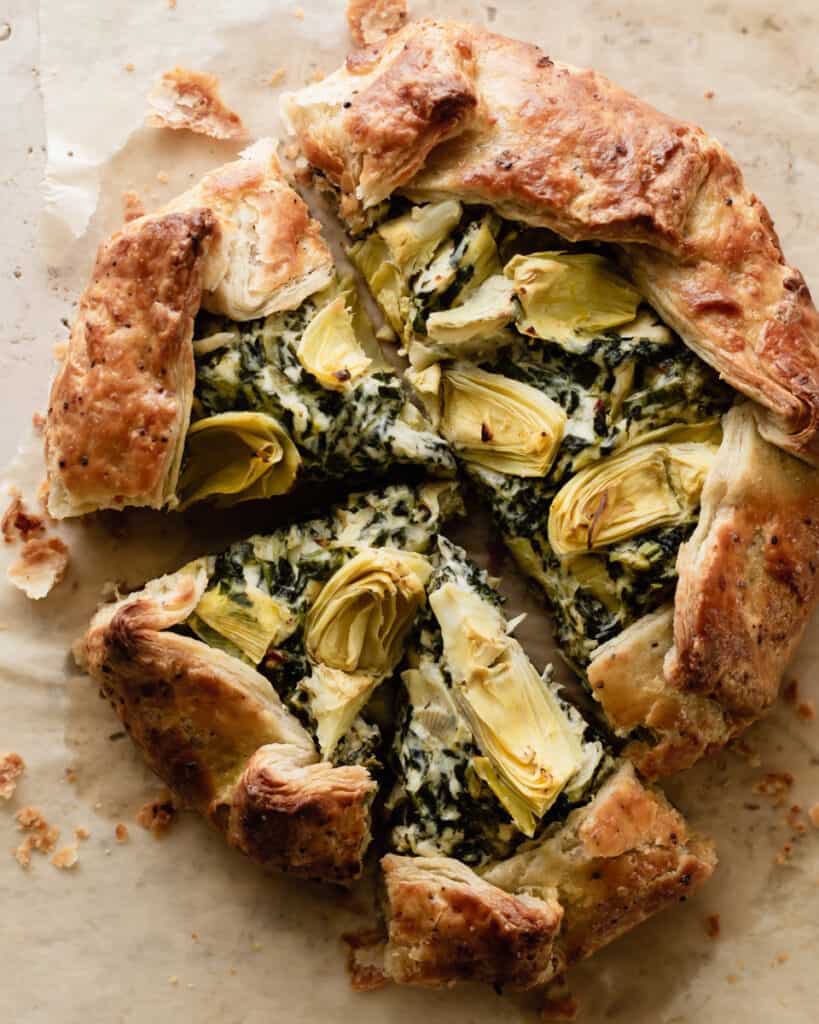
column 154, row 931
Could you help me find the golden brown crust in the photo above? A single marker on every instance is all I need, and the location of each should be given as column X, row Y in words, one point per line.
column 183, row 98
column 216, row 732
column 563, row 147
column 446, row 924
column 371, row 21
column 369, row 127
column 748, row 575
column 697, row 675
column 240, row 242
column 121, row 400
column 309, row 819
column 614, row 863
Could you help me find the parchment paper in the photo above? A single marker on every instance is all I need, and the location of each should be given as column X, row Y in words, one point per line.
column 184, row 929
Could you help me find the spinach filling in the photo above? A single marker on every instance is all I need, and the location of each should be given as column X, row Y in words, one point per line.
column 514, row 312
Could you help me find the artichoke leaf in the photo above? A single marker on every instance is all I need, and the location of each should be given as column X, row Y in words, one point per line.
column 249, row 619
column 371, row 257
column 237, row 456
column 413, row 238
column 362, row 614
column 336, row 697
column 482, row 316
column 642, row 488
column 570, row 298
column 517, row 807
column 477, row 256
column 500, row 423
column 329, row 349
column 517, row 721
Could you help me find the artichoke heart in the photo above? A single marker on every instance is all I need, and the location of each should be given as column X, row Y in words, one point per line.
column 516, row 719
column 483, row 315
column 570, row 297
column 500, row 423
column 236, row 456
column 413, row 237
column 250, row 619
column 362, row 614
column 330, row 350
column 372, row 258
column 644, row 487
column 336, row 697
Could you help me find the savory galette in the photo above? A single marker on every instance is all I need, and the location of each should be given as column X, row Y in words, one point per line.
column 584, row 289
column 352, row 680
column 217, row 355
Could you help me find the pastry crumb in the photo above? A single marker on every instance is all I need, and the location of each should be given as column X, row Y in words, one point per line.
column 38, row 421
column 158, row 815
column 40, row 567
column 779, row 959
column 129, row 67
column 317, row 76
column 371, row 21
column 71, row 775
column 806, row 710
column 81, row 832
column 774, row 784
column 277, row 77
column 41, row 837
column 12, row 767
column 173, row 980
column 709, row 94
column 162, row 177
column 712, row 926
column 18, row 523
column 298, row 14
column 65, row 858
column 132, row 208
column 784, row 855
column 183, row 98
column 121, row 832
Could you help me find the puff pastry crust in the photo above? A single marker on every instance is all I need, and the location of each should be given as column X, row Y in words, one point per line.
column 698, row 674
column 242, row 243
column 613, row 863
column 216, row 732
column 443, row 110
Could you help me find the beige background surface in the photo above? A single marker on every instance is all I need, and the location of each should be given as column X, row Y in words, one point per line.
column 103, row 942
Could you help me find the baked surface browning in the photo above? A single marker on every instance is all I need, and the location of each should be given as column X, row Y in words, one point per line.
column 241, row 242
column 216, row 732
column 121, row 400
column 613, row 863
column 562, row 147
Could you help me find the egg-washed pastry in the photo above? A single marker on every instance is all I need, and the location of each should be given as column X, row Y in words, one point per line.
column 585, row 290
column 280, row 686
column 216, row 355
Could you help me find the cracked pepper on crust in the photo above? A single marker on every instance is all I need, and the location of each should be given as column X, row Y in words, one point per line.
column 443, row 110
column 613, row 863
column 216, row 732
column 242, row 243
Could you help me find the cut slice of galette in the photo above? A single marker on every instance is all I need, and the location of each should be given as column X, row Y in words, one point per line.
column 216, row 355
column 279, row 686
column 585, row 290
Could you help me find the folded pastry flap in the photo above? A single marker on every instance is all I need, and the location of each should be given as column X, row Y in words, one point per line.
column 120, row 403
column 626, row 676
column 613, row 863
column 445, row 924
column 310, row 819
column 747, row 575
column 196, row 712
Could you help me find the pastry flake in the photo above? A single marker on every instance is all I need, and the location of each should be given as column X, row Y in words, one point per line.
column 183, row 98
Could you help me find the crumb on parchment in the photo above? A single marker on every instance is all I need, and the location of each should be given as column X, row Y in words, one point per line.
column 277, row 77
column 40, row 566
column 371, row 21
column 12, row 767
column 184, row 98
column 712, row 926
column 38, row 421
column 806, row 710
column 41, row 836
column 17, row 522
column 158, row 815
column 121, row 833
column 66, row 857
column 80, row 832
column 132, row 207
column 774, row 784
